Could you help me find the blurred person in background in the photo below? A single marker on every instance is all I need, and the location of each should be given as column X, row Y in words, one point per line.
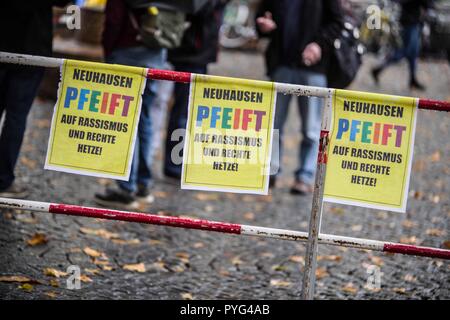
column 411, row 18
column 122, row 45
column 26, row 29
column 301, row 33
column 199, row 47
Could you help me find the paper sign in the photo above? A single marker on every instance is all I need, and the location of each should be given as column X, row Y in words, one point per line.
column 370, row 150
column 95, row 119
column 229, row 135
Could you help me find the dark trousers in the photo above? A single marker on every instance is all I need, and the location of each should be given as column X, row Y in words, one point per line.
column 18, row 88
column 410, row 49
column 177, row 120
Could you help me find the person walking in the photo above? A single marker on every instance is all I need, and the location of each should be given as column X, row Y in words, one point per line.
column 122, row 45
column 301, row 33
column 412, row 13
column 199, row 47
column 26, row 29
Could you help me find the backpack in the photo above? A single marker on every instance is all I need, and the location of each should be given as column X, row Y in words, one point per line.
column 346, row 58
column 162, row 24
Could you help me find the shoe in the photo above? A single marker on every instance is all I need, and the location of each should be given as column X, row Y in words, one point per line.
column 375, row 74
column 272, row 181
column 414, row 84
column 301, row 188
column 173, row 175
column 116, row 198
column 143, row 194
column 14, row 191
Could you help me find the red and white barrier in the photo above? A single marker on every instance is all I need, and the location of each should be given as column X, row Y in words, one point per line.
column 224, row 227
column 157, row 74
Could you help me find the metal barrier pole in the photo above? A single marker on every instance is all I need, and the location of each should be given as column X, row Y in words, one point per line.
column 224, row 227
column 309, row 274
column 157, row 74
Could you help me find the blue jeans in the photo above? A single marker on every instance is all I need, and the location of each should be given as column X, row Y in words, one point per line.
column 410, row 49
column 141, row 173
column 310, row 110
column 178, row 119
column 18, row 88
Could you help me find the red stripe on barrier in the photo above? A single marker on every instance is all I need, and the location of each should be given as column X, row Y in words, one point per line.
column 434, row 105
column 416, row 250
column 177, row 76
column 145, row 218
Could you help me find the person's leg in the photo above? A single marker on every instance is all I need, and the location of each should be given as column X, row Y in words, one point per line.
column 310, row 110
column 284, row 75
column 412, row 50
column 19, row 88
column 177, row 120
column 396, row 55
column 140, row 172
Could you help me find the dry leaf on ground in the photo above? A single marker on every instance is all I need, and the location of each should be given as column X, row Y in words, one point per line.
column 37, row 239
column 137, row 267
column 280, row 283
column 51, row 272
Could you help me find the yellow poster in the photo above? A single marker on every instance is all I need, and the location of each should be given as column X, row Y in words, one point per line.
column 229, row 135
column 95, row 119
column 370, row 150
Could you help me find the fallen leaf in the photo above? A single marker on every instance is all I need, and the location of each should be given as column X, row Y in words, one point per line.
column 350, row 288
column 297, row 259
column 92, row 271
column 154, row 242
column 85, row 278
column 206, row 196
column 321, row 273
column 126, row 242
column 278, row 267
column 37, row 239
column 250, row 216
column 435, row 232
column 280, row 283
column 104, row 182
column 357, row 227
column 51, row 294
column 237, row 261
column 183, row 256
column 51, row 272
column 187, row 296
column 399, row 290
column 54, row 283
column 30, row 164
column 94, row 253
column 446, row 244
column 100, row 232
column 335, row 258
column 26, row 287
column 410, row 278
column 20, row 279
column 160, row 194
column 436, row 156
column 408, row 240
column 337, row 211
column 377, row 260
column 435, row 199
column 198, row 245
column 409, row 224
column 138, row 267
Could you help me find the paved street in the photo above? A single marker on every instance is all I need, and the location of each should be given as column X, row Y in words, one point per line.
column 128, row 260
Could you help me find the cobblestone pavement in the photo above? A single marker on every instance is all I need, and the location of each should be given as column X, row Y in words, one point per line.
column 184, row 264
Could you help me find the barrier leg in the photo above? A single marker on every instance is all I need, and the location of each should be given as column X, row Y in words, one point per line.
column 309, row 275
